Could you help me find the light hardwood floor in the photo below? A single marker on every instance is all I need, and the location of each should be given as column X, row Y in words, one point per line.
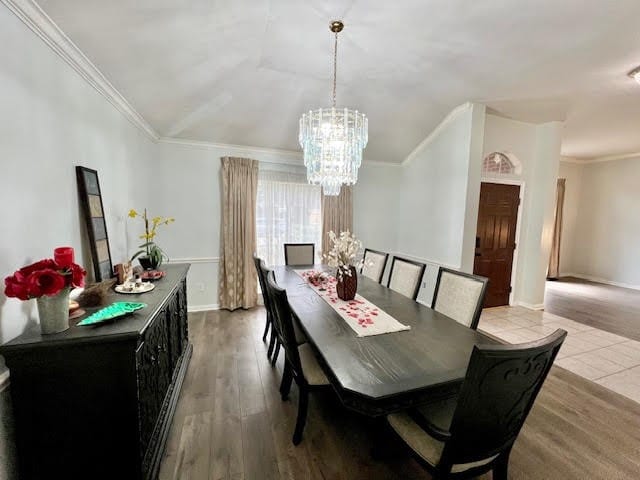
column 613, row 309
column 231, row 424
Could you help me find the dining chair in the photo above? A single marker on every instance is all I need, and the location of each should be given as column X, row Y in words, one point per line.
column 373, row 264
column 299, row 253
column 261, row 268
column 300, row 363
column 473, row 433
column 405, row 276
column 275, row 340
column 460, row 296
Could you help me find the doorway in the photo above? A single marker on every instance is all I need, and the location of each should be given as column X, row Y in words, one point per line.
column 496, row 239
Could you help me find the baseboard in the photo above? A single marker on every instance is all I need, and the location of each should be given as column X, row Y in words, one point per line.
column 531, row 306
column 591, row 278
column 203, row 308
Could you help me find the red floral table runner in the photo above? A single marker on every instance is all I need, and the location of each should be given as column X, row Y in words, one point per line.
column 360, row 314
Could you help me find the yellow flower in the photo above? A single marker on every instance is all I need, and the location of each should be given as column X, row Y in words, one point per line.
column 133, row 213
column 157, row 220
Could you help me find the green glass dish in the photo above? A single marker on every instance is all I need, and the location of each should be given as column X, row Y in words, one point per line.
column 115, row 310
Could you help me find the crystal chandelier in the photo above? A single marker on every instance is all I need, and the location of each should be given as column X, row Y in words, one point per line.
column 332, row 139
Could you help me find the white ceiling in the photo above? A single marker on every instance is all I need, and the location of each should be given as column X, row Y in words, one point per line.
column 242, row 71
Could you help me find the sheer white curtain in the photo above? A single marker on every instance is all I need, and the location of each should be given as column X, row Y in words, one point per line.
column 288, row 210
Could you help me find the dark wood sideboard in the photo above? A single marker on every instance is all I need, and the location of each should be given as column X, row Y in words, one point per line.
column 97, row 402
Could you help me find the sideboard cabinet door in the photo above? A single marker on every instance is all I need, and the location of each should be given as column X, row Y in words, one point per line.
column 152, row 359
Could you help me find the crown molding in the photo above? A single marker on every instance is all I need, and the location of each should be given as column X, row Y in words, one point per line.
column 290, row 156
column 612, row 158
column 287, row 157
column 574, row 161
column 436, row 131
column 42, row 25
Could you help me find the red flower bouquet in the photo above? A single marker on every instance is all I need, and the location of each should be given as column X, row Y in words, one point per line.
column 47, row 277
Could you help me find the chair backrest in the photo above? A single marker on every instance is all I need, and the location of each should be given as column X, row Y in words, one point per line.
column 284, row 321
column 374, row 263
column 405, row 276
column 263, row 271
column 500, row 387
column 299, row 253
column 460, row 296
column 256, row 261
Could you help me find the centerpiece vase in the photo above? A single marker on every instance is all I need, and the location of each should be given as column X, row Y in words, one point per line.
column 146, row 263
column 54, row 312
column 347, row 285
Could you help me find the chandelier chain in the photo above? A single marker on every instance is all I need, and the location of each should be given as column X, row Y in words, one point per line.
column 335, row 67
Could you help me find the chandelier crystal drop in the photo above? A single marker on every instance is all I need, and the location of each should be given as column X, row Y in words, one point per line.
column 332, row 139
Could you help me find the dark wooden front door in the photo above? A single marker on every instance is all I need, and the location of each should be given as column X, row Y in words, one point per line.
column 496, row 239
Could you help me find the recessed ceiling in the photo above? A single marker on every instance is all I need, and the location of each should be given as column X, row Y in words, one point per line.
column 242, row 71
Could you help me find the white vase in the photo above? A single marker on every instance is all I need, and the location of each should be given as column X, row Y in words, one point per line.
column 54, row 312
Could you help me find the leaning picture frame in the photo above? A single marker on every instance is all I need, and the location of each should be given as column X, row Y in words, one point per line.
column 90, row 198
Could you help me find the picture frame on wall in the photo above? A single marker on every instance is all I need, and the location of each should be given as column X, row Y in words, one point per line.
column 93, row 209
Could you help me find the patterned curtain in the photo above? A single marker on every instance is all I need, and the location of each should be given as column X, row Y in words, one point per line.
column 554, row 261
column 337, row 215
column 238, row 283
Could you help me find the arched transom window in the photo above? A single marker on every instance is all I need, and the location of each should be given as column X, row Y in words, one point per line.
column 497, row 163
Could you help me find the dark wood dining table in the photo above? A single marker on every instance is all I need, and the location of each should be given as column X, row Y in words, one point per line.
column 380, row 374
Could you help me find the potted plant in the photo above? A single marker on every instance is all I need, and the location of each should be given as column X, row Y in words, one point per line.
column 150, row 255
column 342, row 256
column 49, row 282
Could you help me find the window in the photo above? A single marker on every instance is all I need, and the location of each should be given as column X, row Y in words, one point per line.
column 498, row 163
column 288, row 210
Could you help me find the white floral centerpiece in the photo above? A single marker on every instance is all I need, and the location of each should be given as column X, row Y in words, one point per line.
column 343, row 253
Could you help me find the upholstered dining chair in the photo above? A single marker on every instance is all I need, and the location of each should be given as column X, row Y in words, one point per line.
column 373, row 264
column 473, row 433
column 460, row 296
column 275, row 340
column 299, row 253
column 300, row 363
column 405, row 276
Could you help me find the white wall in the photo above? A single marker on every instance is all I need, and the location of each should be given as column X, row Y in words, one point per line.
column 607, row 232
column 539, row 205
column 537, row 147
column 375, row 206
column 433, row 196
column 572, row 172
column 50, row 121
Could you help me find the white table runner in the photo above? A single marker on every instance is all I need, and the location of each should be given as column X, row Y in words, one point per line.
column 360, row 314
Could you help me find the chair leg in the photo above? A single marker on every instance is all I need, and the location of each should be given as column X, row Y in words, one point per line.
column 272, row 343
column 276, row 352
column 287, row 378
column 266, row 328
column 501, row 466
column 303, row 403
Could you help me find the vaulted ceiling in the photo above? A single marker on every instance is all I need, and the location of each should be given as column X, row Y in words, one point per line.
column 242, row 71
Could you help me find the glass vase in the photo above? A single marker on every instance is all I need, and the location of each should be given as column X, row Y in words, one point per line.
column 54, row 312
column 346, row 285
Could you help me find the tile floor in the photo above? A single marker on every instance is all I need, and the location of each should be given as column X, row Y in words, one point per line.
column 610, row 360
